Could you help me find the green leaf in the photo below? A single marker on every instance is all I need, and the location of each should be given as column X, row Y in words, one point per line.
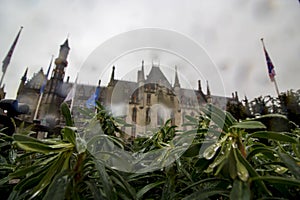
column 205, row 194
column 109, row 189
column 278, row 180
column 50, row 174
column 57, row 188
column 291, row 164
column 273, row 135
column 69, row 135
column 249, row 125
column 194, row 120
column 147, row 188
column 252, row 172
column 242, row 172
column 240, row 190
column 217, row 116
column 67, row 114
column 23, row 171
column 268, row 152
column 32, row 144
column 211, row 151
column 119, row 180
column 193, row 150
column 206, row 180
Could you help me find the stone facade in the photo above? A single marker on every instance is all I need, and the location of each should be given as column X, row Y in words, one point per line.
column 146, row 103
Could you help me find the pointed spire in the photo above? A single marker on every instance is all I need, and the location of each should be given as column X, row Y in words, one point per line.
column 24, row 77
column 143, row 73
column 112, row 78
column 66, row 43
column 207, row 89
column 176, row 84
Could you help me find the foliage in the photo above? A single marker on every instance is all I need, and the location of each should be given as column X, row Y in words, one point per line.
column 227, row 159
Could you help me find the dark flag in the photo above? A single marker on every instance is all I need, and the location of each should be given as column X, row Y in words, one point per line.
column 6, row 60
column 270, row 65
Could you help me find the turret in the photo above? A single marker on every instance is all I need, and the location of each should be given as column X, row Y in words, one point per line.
column 61, row 62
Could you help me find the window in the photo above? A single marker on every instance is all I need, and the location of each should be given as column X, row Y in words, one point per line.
column 160, row 117
column 134, row 113
column 172, row 116
column 148, row 99
column 148, row 116
column 172, row 98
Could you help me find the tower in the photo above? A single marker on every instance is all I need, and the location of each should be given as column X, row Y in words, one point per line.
column 53, row 98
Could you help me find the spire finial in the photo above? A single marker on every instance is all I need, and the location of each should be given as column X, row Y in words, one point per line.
column 176, row 83
column 112, row 78
column 207, row 90
column 24, row 78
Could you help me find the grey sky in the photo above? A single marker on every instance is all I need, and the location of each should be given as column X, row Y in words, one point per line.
column 229, row 31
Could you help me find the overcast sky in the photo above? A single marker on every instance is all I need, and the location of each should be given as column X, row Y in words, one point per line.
column 228, row 31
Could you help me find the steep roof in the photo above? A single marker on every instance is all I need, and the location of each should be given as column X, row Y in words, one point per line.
column 156, row 76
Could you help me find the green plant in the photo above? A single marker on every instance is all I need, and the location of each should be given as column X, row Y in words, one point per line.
column 226, row 159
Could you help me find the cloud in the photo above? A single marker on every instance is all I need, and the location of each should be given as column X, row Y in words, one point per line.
column 229, row 32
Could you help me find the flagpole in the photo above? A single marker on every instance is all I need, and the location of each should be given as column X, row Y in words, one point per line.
column 38, row 106
column 2, row 77
column 42, row 90
column 276, row 86
column 74, row 92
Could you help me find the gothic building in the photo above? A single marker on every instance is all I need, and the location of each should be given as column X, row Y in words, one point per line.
column 145, row 104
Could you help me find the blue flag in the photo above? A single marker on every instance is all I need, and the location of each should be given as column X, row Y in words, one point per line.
column 91, row 102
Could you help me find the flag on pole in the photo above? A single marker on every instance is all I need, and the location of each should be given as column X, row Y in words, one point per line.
column 46, row 78
column 71, row 93
column 6, row 60
column 91, row 102
column 270, row 65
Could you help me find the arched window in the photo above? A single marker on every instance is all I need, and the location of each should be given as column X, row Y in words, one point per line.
column 148, row 99
column 134, row 113
column 148, row 116
column 172, row 116
column 160, row 117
